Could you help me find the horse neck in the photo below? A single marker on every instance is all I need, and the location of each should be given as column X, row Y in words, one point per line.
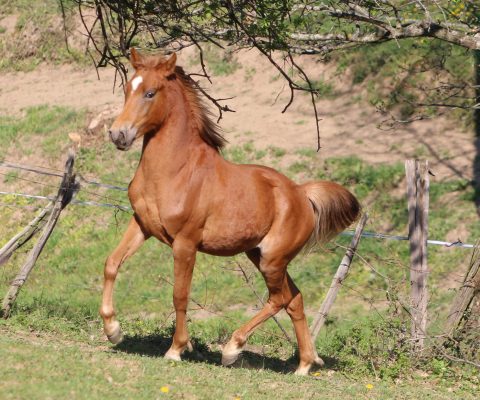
column 177, row 143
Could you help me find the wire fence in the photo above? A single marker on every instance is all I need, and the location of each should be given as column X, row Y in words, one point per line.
column 113, row 203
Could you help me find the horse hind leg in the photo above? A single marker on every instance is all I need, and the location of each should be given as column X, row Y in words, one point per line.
column 274, row 274
column 131, row 241
column 282, row 294
column 306, row 347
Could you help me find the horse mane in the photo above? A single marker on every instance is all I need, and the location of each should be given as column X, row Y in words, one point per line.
column 210, row 132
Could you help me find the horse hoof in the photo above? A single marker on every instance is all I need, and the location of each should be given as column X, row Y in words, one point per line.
column 172, row 355
column 229, row 357
column 302, row 371
column 116, row 337
column 319, row 361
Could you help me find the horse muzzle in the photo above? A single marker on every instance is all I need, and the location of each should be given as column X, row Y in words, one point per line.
column 123, row 137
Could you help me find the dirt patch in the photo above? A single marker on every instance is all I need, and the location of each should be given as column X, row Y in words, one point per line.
column 9, row 23
column 58, row 85
column 349, row 127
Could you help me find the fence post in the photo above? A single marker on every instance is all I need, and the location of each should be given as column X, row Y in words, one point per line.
column 466, row 293
column 418, row 202
column 339, row 277
column 66, row 191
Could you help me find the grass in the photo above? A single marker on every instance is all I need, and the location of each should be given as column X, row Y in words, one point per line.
column 54, row 337
column 50, row 125
column 44, row 366
column 34, row 41
column 223, row 63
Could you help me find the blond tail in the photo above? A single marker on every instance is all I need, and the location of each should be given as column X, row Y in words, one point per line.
column 335, row 209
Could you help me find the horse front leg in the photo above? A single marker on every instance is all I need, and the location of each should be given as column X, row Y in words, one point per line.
column 131, row 241
column 184, row 260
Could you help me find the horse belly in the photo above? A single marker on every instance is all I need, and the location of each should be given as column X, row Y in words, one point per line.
column 232, row 236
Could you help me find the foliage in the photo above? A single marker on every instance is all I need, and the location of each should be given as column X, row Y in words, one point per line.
column 401, row 76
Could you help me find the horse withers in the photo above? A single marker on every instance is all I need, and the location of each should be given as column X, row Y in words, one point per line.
column 188, row 196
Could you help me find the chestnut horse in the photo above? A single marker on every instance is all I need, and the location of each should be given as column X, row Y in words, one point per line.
column 188, row 196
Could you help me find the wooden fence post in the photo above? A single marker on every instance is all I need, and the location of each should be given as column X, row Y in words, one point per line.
column 66, row 191
column 465, row 295
column 418, row 202
column 339, row 277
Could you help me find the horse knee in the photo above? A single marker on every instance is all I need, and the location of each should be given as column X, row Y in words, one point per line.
column 276, row 303
column 111, row 268
column 180, row 302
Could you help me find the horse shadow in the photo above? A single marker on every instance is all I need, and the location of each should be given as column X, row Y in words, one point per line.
column 157, row 345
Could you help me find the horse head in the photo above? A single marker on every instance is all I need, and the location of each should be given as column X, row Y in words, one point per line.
column 146, row 99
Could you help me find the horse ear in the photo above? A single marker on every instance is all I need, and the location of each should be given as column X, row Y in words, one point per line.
column 170, row 63
column 135, row 58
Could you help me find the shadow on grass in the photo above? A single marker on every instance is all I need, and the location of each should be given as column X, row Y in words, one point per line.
column 251, row 358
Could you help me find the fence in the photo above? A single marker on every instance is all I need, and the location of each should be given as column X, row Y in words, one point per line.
column 418, row 205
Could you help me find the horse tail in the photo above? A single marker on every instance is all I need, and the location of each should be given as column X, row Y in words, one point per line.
column 335, row 209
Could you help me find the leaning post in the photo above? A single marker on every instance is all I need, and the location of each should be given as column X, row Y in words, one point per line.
column 66, row 191
column 339, row 277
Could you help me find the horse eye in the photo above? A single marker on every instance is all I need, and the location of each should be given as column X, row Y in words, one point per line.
column 149, row 94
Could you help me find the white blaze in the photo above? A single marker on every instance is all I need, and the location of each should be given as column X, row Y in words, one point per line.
column 136, row 82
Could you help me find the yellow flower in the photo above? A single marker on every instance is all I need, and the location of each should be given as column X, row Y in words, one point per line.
column 164, row 389
column 369, row 386
column 316, row 374
column 237, row 398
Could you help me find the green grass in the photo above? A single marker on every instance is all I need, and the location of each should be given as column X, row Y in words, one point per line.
column 34, row 41
column 49, row 125
column 399, row 75
column 222, row 63
column 323, row 88
column 56, row 332
column 46, row 367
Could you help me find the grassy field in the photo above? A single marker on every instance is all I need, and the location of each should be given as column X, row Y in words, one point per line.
column 53, row 345
column 39, row 366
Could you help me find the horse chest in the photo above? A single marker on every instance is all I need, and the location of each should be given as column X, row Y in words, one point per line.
column 161, row 214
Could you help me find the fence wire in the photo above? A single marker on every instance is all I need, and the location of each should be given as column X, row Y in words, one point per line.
column 45, row 171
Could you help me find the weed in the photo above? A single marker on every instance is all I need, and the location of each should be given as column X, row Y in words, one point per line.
column 306, row 152
column 249, row 73
column 10, row 177
column 44, row 43
column 277, row 152
column 52, row 123
column 221, row 63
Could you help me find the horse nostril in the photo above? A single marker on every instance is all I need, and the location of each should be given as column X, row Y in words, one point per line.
column 122, row 137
